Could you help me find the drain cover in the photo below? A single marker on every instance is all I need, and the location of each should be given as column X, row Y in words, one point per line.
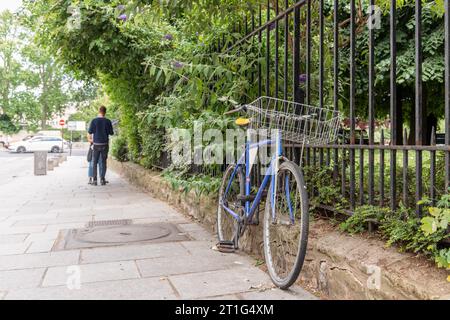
column 102, row 223
column 120, row 234
column 117, row 235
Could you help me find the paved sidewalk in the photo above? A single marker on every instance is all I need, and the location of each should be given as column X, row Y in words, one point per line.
column 35, row 209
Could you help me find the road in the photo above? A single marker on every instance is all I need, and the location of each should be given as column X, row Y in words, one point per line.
column 15, row 165
column 6, row 154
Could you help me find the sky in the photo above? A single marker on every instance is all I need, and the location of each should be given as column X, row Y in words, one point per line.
column 12, row 5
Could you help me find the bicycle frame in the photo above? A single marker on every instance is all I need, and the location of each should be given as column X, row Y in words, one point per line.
column 250, row 207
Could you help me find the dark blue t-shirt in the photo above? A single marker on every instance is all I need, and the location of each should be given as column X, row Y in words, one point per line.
column 101, row 128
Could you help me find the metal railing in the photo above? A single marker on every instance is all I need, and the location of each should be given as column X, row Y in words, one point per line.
column 291, row 24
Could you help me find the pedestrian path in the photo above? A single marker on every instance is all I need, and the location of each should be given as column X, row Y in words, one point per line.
column 34, row 210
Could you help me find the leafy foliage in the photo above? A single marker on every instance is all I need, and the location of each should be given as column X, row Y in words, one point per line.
column 119, row 149
column 201, row 184
column 358, row 222
column 154, row 61
column 404, row 229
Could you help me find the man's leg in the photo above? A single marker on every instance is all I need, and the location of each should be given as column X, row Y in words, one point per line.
column 96, row 157
column 91, row 170
column 103, row 159
column 100, row 165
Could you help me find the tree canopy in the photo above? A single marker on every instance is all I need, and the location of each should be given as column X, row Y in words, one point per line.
column 34, row 86
column 157, row 61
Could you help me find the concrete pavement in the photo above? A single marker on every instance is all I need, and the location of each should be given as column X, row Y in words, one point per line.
column 35, row 209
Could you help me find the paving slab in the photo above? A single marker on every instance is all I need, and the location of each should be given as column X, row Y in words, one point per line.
column 47, row 235
column 196, row 232
column 15, row 248
column 131, row 252
column 6, row 224
column 205, row 249
column 20, row 230
column 216, row 283
column 52, row 221
column 140, row 289
column 17, row 217
column 167, row 266
column 39, row 260
column 20, row 279
column 40, row 246
column 96, row 272
column 12, row 238
column 64, row 226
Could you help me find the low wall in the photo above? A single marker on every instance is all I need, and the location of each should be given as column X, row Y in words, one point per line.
column 337, row 266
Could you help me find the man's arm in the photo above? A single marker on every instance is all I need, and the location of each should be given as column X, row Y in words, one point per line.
column 111, row 130
column 91, row 131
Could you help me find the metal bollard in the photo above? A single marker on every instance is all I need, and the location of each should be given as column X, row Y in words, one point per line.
column 40, row 163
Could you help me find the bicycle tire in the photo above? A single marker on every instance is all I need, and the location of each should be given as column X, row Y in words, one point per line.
column 222, row 215
column 285, row 282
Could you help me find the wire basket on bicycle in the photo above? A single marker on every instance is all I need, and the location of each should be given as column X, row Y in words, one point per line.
column 298, row 123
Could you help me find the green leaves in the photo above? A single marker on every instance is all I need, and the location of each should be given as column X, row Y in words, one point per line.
column 438, row 220
column 404, row 229
column 442, row 259
column 429, row 225
column 357, row 223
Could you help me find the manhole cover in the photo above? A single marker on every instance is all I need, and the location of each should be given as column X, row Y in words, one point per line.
column 116, row 235
column 119, row 234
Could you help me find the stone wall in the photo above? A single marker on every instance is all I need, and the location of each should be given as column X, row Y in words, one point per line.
column 337, row 266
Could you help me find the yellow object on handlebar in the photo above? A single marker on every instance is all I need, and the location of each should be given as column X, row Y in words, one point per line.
column 242, row 121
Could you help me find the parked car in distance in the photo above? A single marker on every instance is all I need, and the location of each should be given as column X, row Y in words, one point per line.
column 39, row 143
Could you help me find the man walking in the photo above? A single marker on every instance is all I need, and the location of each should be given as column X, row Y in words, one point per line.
column 99, row 132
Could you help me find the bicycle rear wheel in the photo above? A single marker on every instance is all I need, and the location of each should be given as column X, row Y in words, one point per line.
column 286, row 231
column 227, row 225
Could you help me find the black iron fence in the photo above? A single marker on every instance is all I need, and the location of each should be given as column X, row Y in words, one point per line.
column 295, row 38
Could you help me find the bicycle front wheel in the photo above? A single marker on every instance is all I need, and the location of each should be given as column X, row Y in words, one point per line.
column 286, row 223
column 231, row 189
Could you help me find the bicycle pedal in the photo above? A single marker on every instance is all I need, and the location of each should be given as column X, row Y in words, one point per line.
column 226, row 247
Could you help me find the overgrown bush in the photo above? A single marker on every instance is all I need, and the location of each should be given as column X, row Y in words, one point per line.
column 200, row 184
column 362, row 216
column 403, row 228
column 119, row 149
column 325, row 193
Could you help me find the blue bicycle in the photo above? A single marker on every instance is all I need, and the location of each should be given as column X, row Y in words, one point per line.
column 286, row 214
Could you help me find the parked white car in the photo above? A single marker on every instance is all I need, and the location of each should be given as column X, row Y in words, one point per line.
column 39, row 143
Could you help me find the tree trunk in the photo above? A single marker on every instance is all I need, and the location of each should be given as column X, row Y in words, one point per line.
column 44, row 116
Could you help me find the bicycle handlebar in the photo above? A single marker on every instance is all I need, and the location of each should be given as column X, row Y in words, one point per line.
column 239, row 109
